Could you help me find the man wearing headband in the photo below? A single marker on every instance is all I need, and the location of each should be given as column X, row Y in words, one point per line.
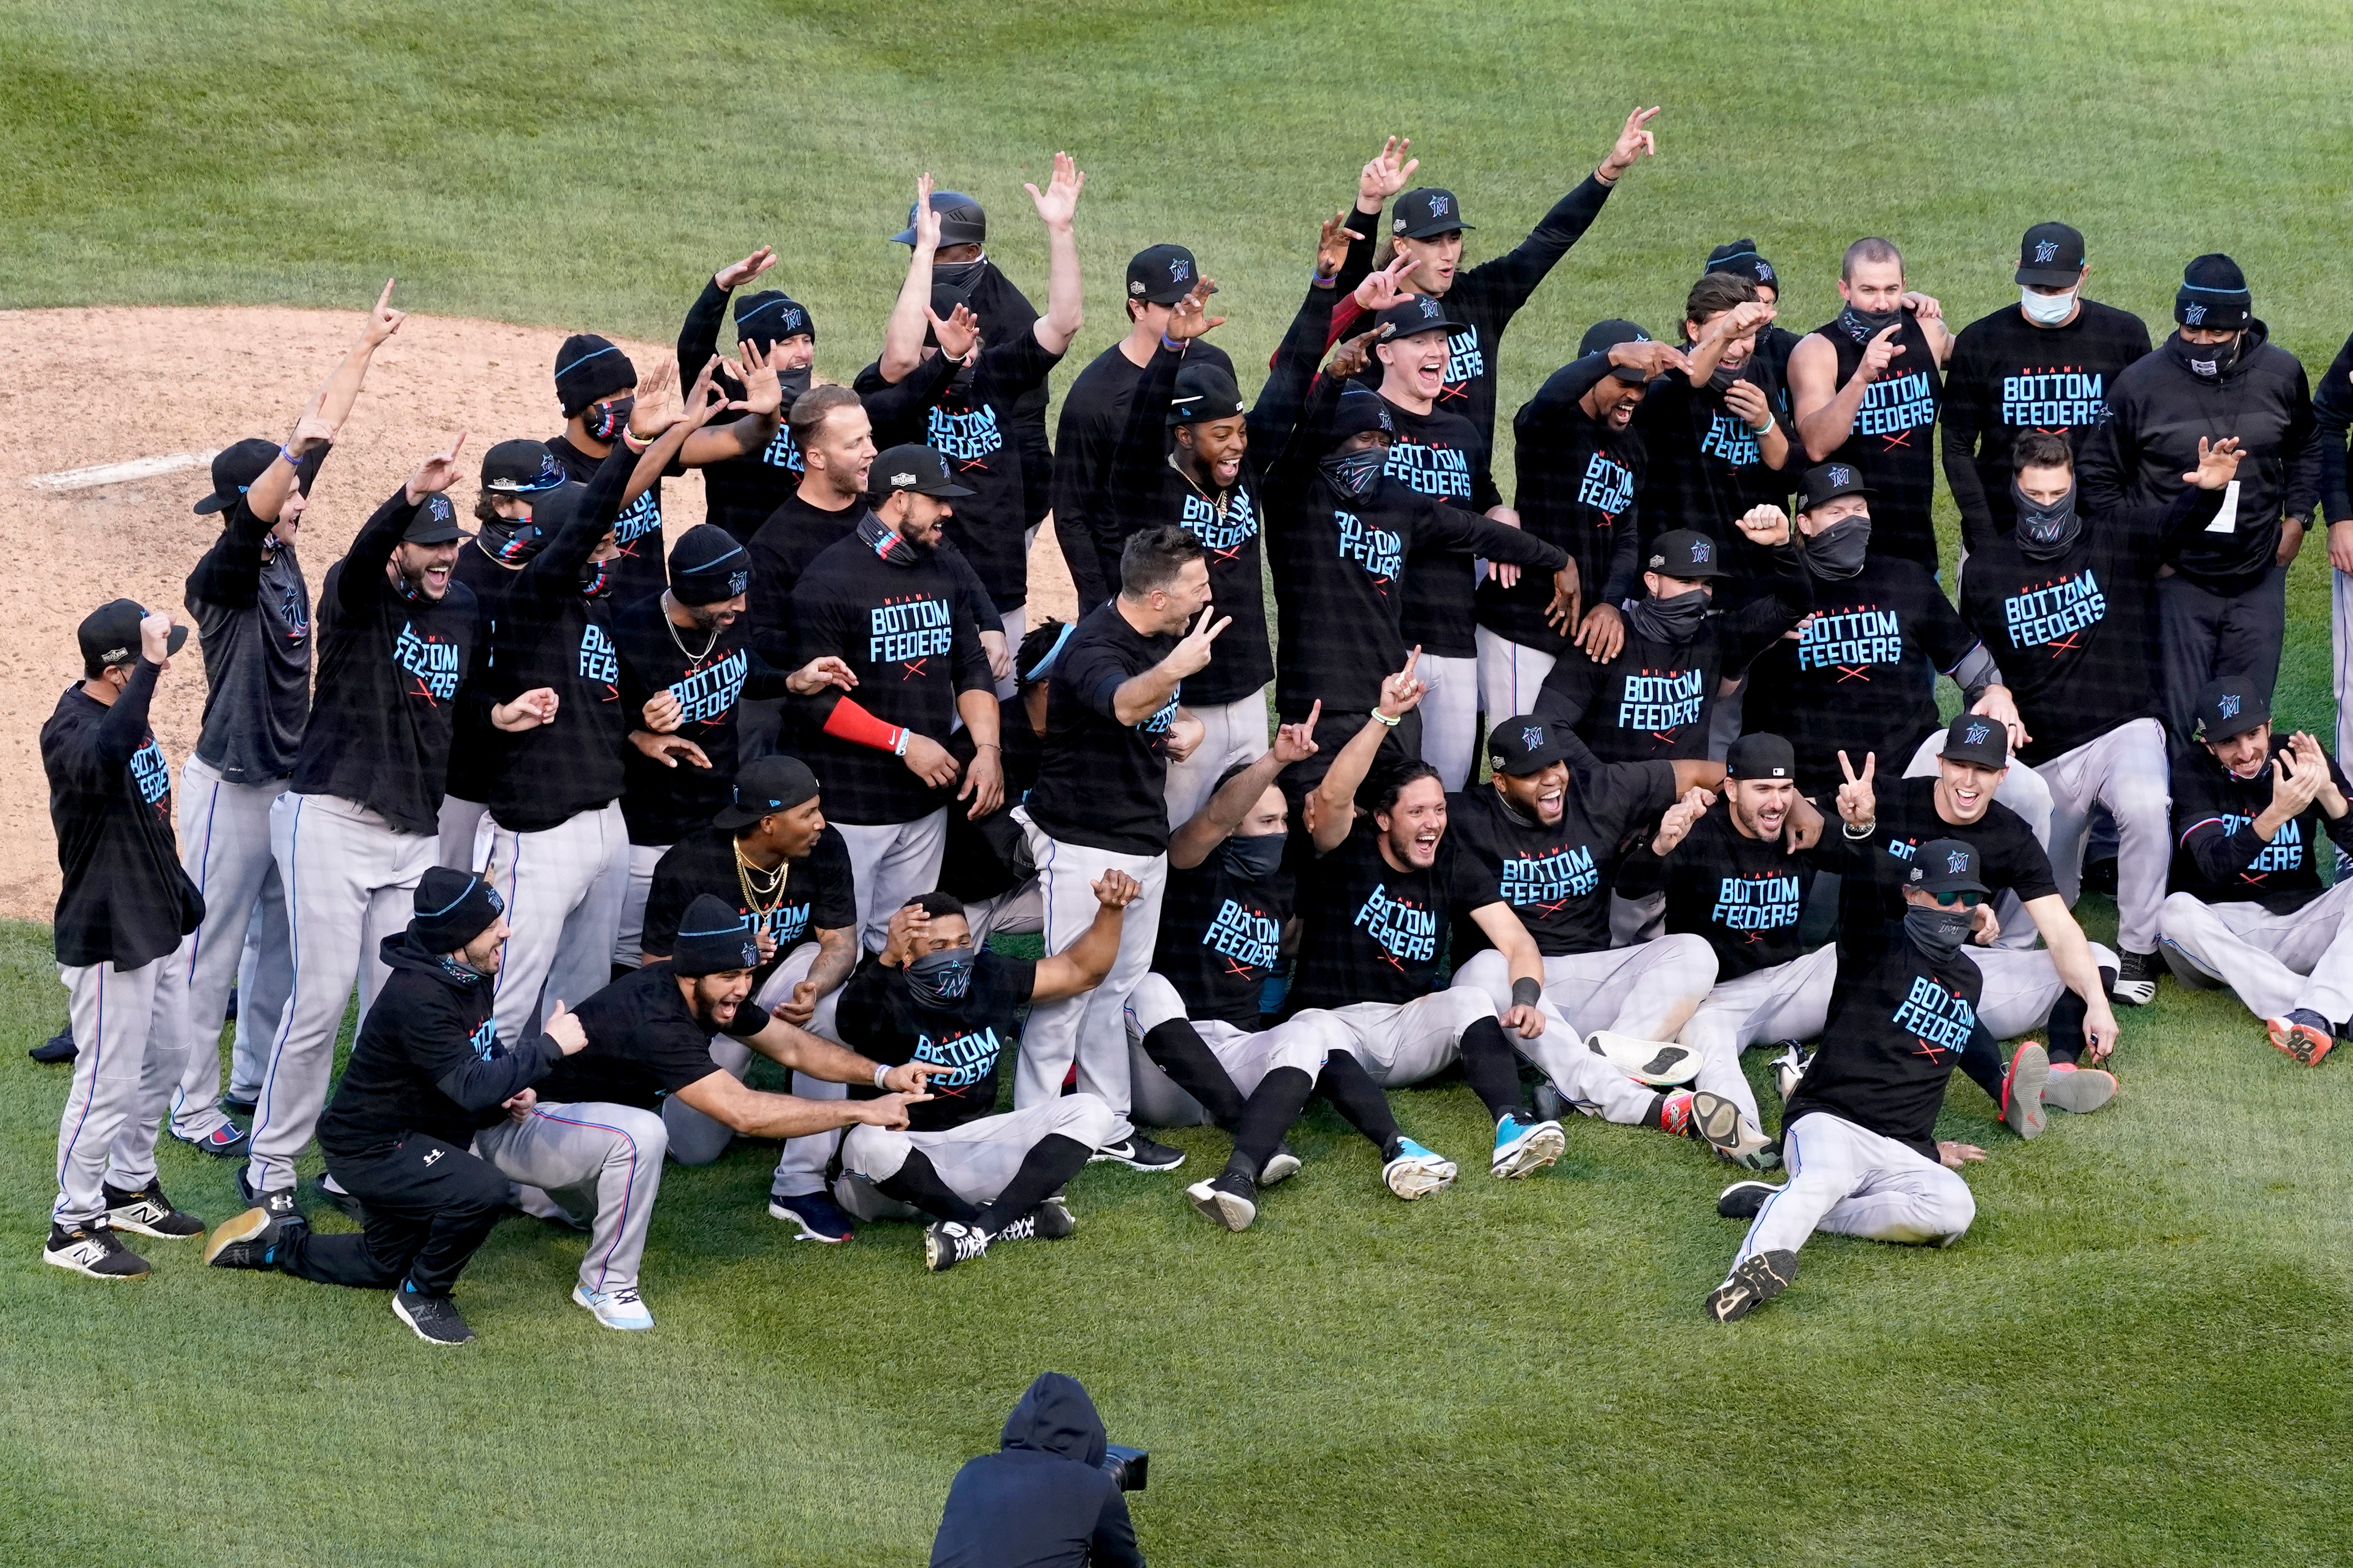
column 427, row 1071
column 123, row 909
column 2223, row 607
column 932, row 997
column 769, row 854
column 2247, row 910
column 252, row 608
column 740, row 492
column 2045, row 363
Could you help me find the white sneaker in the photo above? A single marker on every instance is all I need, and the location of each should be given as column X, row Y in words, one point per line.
column 615, row 1308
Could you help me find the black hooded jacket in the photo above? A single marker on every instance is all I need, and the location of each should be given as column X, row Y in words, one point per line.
column 1043, row 1499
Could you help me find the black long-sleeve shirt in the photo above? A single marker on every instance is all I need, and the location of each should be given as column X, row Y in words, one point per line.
column 390, row 664
column 1704, row 468
column 2332, row 419
column 1443, row 457
column 1898, row 1021
column 738, row 492
column 2217, row 855
column 1578, row 485
column 125, row 900
column 474, row 740
column 253, row 618
column 1006, row 314
column 709, row 673
column 642, row 566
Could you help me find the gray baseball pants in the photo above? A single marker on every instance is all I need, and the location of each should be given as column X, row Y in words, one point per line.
column 133, row 1027
column 1232, row 732
column 1511, row 675
column 1646, row 992
column 1090, row 1029
column 224, row 849
column 1450, row 718
column 698, row 1140
column 2125, row 770
column 1247, row 1055
column 975, row 1161
column 599, row 1159
column 891, row 865
column 2275, row 962
column 2340, row 647
column 562, row 887
column 265, row 979
column 1781, row 1002
column 630, row 935
column 461, row 823
column 1851, row 1182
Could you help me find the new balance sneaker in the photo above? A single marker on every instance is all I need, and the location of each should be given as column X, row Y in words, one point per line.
column 150, row 1213
column 949, row 1242
column 1742, row 1199
column 615, row 1308
column 1229, row 1197
column 1416, row 1173
column 1140, row 1153
column 1790, row 1066
column 1718, row 1122
column 1524, row 1148
column 58, row 1050
column 1054, row 1219
column 94, row 1250
column 254, row 1240
column 2303, row 1034
column 818, row 1217
column 2022, row 1090
column 1755, row 1281
column 435, row 1318
column 1281, row 1166
column 2136, row 983
column 1675, row 1112
column 2077, row 1089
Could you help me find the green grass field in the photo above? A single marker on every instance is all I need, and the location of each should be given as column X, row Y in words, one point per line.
column 2134, row 1358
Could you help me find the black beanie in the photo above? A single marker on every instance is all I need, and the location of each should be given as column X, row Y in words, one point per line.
column 1740, row 259
column 770, row 315
column 713, row 937
column 2213, row 295
column 1360, row 409
column 452, row 907
column 709, row 567
column 588, row 369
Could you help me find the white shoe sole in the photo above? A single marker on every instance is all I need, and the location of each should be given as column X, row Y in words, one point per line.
column 1532, row 1154
column 2080, row 1092
column 67, row 1260
column 1414, row 1179
column 1281, row 1167
column 1234, row 1212
column 778, row 1211
column 580, row 1295
column 400, row 1311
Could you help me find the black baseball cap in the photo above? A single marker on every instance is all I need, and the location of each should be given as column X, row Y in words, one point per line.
column 2051, row 256
column 2229, row 705
column 910, row 468
column 766, row 785
column 1413, row 316
column 1973, row 737
column 1947, row 866
column 1760, row 756
column 234, row 470
column 435, row 521
column 1685, row 553
column 520, row 468
column 1204, row 391
column 109, row 634
column 1161, row 275
column 1603, row 336
column 1828, row 481
column 1525, row 745
column 962, row 221
column 1427, row 213
column 1740, row 259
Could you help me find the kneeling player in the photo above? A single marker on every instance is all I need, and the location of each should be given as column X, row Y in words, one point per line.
column 1859, row 1134
column 2247, row 909
column 933, row 1000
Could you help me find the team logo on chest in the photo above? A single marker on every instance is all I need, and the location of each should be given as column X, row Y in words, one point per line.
column 642, row 517
column 1406, row 932
column 600, row 662
column 1429, row 470
column 1757, row 904
column 1935, row 1017
column 1379, row 551
column 909, row 632
column 1850, row 641
column 968, row 436
column 1607, row 486
column 1247, row 940
column 150, row 775
column 1547, row 882
column 972, row 1054
column 705, row 695
column 429, row 662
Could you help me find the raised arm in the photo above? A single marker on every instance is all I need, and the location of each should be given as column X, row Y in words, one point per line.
column 1226, row 809
column 1826, row 410
column 1331, row 808
column 903, row 333
column 1515, row 274
column 364, row 562
column 1142, row 694
column 1056, row 204
column 1082, row 966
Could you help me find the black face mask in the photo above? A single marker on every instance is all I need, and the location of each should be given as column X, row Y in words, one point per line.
column 956, row 274
column 1253, row 858
column 595, row 583
column 1938, row 932
column 606, row 420
column 2045, row 533
column 2206, row 361
column 1863, row 325
column 1837, row 551
column 1721, row 378
column 941, row 979
column 1673, row 620
column 794, row 383
column 1352, row 473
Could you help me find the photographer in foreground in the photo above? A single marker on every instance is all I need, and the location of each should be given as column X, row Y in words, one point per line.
column 1044, row 1500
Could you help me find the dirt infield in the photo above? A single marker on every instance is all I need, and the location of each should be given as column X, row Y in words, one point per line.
column 80, row 388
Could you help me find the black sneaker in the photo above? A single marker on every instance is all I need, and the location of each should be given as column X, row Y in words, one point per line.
column 2100, row 875
column 1141, row 1154
column 1742, row 1199
column 150, row 1213
column 1750, row 1286
column 341, row 1200
column 435, row 1318
column 56, row 1049
column 238, row 1104
column 2136, row 983
column 254, row 1240
column 1281, row 1165
column 280, row 1203
column 1054, row 1219
column 949, row 1242
column 1228, row 1197
column 94, row 1250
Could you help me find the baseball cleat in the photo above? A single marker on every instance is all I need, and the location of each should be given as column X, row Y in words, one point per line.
column 1415, row 1171
column 817, row 1217
column 1675, row 1112
column 1754, row 1282
column 1053, row 1218
column 254, row 1240
column 1522, row 1148
column 1281, row 1166
column 435, row 1318
column 1550, row 1104
column 1742, row 1199
column 1718, row 1122
column 2077, row 1089
column 2136, row 983
column 2022, row 1090
column 229, row 1140
column 615, row 1308
column 150, row 1213
column 1229, row 1198
column 1662, row 1064
column 1138, row 1152
column 2302, row 1035
column 94, row 1250
column 1790, row 1066
column 949, row 1242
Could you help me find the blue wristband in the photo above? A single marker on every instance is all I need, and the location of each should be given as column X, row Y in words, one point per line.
column 1171, row 344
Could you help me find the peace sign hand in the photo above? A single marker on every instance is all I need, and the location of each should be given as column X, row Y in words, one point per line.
column 1191, row 656
column 1858, row 803
column 1381, row 289
column 1386, row 175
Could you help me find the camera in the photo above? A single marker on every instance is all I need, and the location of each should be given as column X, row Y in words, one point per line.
column 1126, row 1467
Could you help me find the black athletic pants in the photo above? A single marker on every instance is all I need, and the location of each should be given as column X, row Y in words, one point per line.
column 429, row 1206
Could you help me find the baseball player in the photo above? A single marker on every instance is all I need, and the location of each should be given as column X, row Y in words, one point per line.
column 428, row 1070
column 986, row 863
column 1774, row 343
column 2247, row 909
column 1859, row 1134
column 740, row 492
column 934, row 1001
column 1865, row 383
column 123, row 912
column 252, row 609
column 2332, row 424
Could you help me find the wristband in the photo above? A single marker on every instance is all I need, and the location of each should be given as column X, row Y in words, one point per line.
column 292, row 461
column 1527, row 993
column 1848, row 828
column 630, row 439
column 880, row 1072
column 898, row 743
column 1761, row 430
column 1171, row 344
column 1381, row 718
column 1320, row 281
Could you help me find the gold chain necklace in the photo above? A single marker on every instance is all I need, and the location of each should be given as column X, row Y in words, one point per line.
column 763, row 891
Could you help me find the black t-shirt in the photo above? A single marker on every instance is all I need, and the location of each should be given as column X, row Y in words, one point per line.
column 1897, row 1024
column 642, row 567
column 2216, row 855
column 1744, row 894
column 1104, row 784
column 1443, row 457
column 2009, row 857
column 1704, row 469
column 125, row 900
column 738, row 492
column 1891, row 441
column 664, row 805
column 1370, row 932
column 253, row 618
column 819, row 893
column 880, row 1017
column 1861, row 674
column 1578, row 484
column 644, row 1042
column 1556, row 878
column 552, row 634
column 987, row 857
column 474, row 742
column 1221, row 937
column 781, row 550
column 1094, row 413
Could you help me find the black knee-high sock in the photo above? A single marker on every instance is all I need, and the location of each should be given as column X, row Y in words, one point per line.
column 1983, row 1059
column 1176, row 1047
column 1266, row 1116
column 1359, row 1100
column 918, row 1184
column 1493, row 1069
column 2067, row 1020
column 1052, row 1161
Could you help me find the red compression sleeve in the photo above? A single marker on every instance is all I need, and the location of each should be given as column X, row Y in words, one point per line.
column 849, row 723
